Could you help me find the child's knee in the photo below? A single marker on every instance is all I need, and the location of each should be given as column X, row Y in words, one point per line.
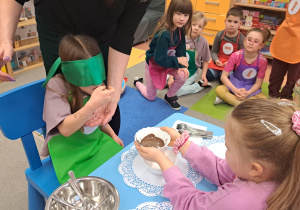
column 181, row 76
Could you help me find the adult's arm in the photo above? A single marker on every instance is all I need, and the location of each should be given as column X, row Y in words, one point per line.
column 120, row 48
column 10, row 11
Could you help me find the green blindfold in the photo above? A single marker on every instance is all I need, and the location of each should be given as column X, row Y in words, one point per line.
column 82, row 73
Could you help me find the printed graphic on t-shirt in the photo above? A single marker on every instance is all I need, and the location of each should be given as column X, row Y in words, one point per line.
column 249, row 73
column 294, row 7
column 171, row 52
column 228, row 48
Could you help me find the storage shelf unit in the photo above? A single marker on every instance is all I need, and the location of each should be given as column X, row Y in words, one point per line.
column 260, row 7
column 274, row 10
column 23, row 45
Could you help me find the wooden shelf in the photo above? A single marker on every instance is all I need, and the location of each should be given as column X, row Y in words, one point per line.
column 260, row 7
column 246, row 28
column 28, row 22
column 36, row 63
column 28, row 43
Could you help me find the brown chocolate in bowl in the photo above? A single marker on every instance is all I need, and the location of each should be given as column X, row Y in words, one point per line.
column 152, row 141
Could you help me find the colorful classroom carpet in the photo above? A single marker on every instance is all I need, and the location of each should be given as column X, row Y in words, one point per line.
column 138, row 112
column 205, row 104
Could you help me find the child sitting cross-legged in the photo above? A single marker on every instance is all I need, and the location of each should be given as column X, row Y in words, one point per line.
column 261, row 169
column 249, row 68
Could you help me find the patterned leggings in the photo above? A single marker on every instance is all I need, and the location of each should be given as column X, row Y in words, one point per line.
column 149, row 91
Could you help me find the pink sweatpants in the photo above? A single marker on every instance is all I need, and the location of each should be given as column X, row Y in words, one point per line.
column 149, row 91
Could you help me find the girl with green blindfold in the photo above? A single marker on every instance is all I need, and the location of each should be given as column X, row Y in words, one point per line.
column 71, row 100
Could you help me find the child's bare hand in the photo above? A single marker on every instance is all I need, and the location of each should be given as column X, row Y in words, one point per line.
column 174, row 134
column 170, row 80
column 219, row 63
column 204, row 80
column 186, row 72
column 149, row 153
column 118, row 140
column 183, row 61
column 101, row 96
column 224, row 64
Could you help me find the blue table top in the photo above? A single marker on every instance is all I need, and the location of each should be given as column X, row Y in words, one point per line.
column 130, row 198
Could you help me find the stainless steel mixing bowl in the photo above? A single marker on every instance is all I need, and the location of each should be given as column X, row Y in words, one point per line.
column 94, row 189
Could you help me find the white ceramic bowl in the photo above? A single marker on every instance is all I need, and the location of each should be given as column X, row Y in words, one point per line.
column 154, row 167
column 153, row 130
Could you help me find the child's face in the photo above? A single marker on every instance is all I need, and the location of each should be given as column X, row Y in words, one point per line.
column 180, row 19
column 233, row 156
column 232, row 23
column 253, row 42
column 90, row 89
column 197, row 28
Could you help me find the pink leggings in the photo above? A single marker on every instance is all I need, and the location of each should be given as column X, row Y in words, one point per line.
column 149, row 91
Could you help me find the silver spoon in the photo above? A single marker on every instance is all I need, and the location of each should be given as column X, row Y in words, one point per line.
column 193, row 131
column 88, row 201
column 95, row 207
column 58, row 199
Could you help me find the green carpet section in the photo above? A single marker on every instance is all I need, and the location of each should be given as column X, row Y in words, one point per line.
column 206, row 104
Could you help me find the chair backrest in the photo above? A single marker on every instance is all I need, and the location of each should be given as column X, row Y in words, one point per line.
column 20, row 114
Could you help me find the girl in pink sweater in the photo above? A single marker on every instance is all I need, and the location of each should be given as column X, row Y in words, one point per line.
column 262, row 165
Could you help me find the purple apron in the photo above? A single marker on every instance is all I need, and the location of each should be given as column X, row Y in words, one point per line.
column 158, row 73
column 245, row 77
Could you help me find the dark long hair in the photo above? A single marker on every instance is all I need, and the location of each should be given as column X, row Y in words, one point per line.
column 166, row 22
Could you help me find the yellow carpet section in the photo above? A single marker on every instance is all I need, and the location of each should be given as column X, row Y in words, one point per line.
column 136, row 57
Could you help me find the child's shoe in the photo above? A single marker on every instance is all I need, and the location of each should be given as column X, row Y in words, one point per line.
column 172, row 101
column 137, row 79
column 218, row 100
column 201, row 83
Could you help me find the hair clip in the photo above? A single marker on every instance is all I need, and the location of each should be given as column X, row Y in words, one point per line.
column 285, row 103
column 275, row 130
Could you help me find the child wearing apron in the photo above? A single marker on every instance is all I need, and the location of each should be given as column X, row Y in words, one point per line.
column 286, row 54
column 249, row 70
column 70, row 101
column 167, row 54
column 226, row 43
column 197, row 49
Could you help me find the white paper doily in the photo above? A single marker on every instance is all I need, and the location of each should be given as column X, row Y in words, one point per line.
column 137, row 175
column 155, row 206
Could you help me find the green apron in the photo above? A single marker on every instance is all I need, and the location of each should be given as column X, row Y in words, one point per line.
column 81, row 153
column 192, row 62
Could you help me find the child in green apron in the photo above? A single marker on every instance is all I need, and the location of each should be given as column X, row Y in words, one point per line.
column 71, row 99
column 197, row 49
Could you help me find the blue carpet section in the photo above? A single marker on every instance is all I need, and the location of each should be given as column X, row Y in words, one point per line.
column 137, row 113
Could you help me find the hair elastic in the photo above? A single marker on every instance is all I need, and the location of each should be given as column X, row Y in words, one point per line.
column 180, row 141
column 275, row 130
column 285, row 103
column 296, row 122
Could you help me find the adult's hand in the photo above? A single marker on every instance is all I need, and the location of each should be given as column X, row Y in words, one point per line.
column 6, row 77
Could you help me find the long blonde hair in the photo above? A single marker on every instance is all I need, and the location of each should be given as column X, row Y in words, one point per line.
column 73, row 48
column 166, row 21
column 282, row 152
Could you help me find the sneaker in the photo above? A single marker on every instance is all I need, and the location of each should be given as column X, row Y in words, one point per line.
column 206, row 86
column 218, row 100
column 172, row 101
column 137, row 79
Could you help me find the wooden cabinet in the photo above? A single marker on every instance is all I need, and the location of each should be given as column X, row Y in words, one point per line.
column 23, row 45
